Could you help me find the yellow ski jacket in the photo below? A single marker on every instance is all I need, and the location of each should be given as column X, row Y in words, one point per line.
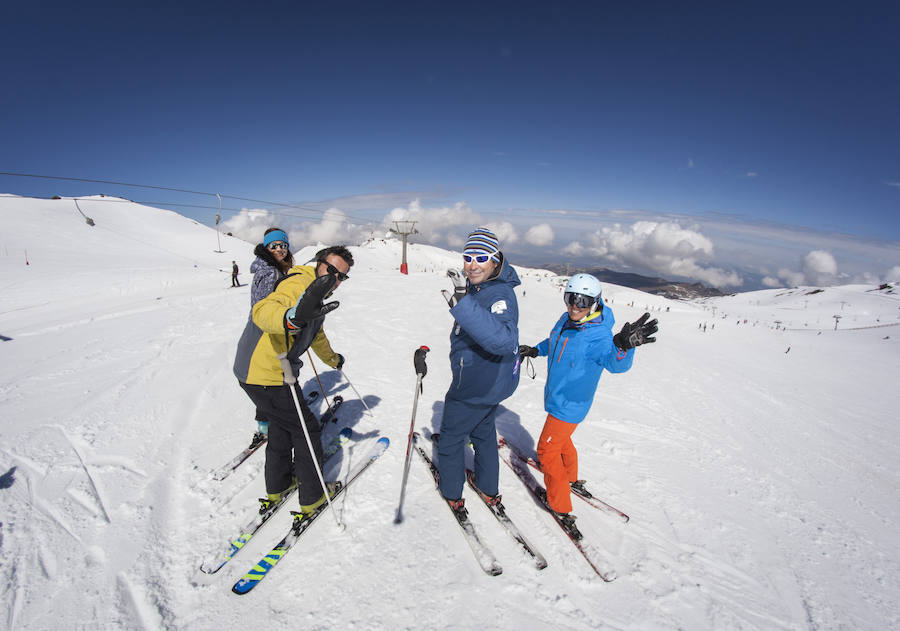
column 256, row 361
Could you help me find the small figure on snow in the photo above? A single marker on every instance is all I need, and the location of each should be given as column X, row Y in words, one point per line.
column 289, row 320
column 580, row 346
column 234, row 274
column 484, row 360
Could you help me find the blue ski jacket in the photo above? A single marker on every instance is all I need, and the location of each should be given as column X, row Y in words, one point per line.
column 577, row 353
column 484, row 342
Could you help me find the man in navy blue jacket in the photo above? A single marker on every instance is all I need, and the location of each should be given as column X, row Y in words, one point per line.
column 484, row 359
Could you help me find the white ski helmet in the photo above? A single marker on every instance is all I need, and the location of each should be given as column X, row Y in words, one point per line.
column 585, row 285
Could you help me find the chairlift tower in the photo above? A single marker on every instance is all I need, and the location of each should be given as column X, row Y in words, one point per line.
column 404, row 229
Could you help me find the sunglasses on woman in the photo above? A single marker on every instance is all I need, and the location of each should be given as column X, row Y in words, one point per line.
column 480, row 258
column 333, row 270
column 278, row 245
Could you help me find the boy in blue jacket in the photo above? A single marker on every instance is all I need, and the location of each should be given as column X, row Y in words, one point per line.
column 484, row 359
column 580, row 346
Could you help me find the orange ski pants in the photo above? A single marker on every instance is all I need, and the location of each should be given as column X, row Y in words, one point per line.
column 559, row 462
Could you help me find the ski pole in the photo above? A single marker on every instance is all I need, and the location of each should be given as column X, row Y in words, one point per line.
column 421, row 369
column 291, row 380
column 321, row 388
column 358, row 396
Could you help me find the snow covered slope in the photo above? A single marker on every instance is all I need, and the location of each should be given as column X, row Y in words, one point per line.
column 757, row 459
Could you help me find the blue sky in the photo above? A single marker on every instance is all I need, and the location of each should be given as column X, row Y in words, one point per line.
column 743, row 145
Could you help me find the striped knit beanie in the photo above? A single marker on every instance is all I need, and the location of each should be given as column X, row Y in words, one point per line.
column 483, row 241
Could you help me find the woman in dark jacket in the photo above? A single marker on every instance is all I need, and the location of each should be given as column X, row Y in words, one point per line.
column 273, row 260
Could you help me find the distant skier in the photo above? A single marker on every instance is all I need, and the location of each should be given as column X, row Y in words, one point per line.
column 234, row 274
column 273, row 260
column 290, row 319
column 484, row 361
column 580, row 346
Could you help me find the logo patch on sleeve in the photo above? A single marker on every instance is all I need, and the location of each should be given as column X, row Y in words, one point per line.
column 499, row 307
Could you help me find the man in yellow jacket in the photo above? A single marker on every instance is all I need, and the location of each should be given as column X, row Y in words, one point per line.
column 290, row 320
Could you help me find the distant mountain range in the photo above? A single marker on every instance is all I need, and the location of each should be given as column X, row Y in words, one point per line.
column 657, row 286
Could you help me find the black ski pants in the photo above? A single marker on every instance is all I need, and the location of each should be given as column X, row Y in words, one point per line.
column 287, row 453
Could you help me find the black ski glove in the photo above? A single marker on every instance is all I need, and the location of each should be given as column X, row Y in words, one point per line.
column 528, row 351
column 309, row 306
column 340, row 362
column 459, row 287
column 636, row 334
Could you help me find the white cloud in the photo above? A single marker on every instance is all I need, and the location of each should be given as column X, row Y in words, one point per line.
column 665, row 248
column 333, row 227
column 892, row 275
column 446, row 224
column 768, row 281
column 573, row 249
column 819, row 268
column 249, row 224
column 505, row 231
column 752, row 174
column 791, row 278
column 540, row 235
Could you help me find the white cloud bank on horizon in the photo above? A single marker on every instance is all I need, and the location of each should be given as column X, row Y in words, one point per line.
column 637, row 241
column 664, row 247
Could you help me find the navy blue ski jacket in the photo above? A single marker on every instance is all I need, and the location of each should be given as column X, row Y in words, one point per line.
column 484, row 342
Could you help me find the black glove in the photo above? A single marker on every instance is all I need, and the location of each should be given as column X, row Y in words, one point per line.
column 340, row 363
column 636, row 334
column 419, row 360
column 459, row 287
column 309, row 306
column 528, row 351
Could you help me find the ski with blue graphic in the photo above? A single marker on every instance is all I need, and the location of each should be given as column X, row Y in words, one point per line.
column 259, row 571
column 211, row 566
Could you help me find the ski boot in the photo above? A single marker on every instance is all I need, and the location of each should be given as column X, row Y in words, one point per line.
column 578, row 488
column 490, row 500
column 266, row 504
column 308, row 510
column 459, row 509
column 261, row 435
column 567, row 521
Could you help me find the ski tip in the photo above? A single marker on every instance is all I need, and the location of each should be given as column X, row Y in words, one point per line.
column 242, row 587
column 495, row 570
column 384, row 441
column 347, row 432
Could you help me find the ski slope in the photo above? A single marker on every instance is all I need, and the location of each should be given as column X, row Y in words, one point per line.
column 757, row 458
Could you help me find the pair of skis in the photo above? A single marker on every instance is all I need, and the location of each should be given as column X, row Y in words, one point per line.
column 213, row 565
column 482, row 552
column 518, row 462
column 261, row 569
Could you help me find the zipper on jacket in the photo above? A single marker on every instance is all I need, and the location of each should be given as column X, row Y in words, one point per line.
column 461, row 364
